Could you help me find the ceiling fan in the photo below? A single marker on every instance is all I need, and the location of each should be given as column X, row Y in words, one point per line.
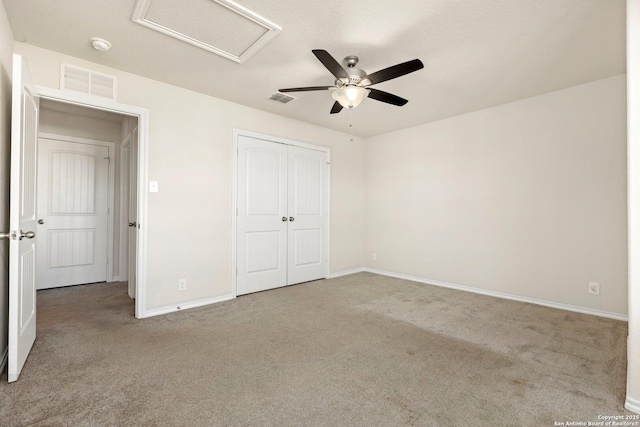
column 352, row 85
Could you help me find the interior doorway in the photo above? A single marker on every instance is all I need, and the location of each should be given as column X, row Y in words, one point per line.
column 22, row 236
column 86, row 196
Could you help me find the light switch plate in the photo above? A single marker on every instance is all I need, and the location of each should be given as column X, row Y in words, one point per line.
column 153, row 186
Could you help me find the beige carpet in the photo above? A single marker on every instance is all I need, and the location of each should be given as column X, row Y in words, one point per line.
column 361, row 350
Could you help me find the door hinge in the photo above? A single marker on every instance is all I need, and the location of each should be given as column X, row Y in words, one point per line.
column 107, row 260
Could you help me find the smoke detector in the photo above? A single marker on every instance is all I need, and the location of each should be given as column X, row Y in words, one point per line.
column 100, row 44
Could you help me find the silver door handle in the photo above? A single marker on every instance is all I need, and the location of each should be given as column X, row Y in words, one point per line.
column 132, row 224
column 291, row 219
column 5, row 235
column 28, row 234
column 41, row 221
column 284, row 218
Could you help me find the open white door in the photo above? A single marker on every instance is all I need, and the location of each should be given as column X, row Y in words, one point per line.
column 22, row 218
column 133, row 213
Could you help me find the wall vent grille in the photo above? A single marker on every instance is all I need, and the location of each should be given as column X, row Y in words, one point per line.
column 281, row 98
column 86, row 81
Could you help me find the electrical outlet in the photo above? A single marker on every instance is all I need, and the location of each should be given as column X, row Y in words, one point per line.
column 594, row 288
column 374, row 256
column 182, row 284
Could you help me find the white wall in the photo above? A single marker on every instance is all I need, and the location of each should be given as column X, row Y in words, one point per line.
column 190, row 155
column 526, row 198
column 65, row 123
column 6, row 64
column 633, row 129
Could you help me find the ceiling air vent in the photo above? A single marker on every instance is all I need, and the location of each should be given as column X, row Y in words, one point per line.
column 87, row 81
column 281, row 98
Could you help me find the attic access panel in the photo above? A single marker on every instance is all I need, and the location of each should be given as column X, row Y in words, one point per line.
column 222, row 27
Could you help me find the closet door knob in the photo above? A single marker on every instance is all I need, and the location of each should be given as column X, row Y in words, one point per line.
column 291, row 219
column 132, row 224
column 28, row 234
column 284, row 218
column 41, row 221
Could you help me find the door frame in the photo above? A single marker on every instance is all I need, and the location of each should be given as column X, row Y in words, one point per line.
column 142, row 114
column 110, row 189
column 234, row 205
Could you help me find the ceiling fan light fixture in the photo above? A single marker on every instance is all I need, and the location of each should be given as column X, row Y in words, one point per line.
column 350, row 96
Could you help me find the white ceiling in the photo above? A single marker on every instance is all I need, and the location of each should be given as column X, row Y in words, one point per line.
column 477, row 53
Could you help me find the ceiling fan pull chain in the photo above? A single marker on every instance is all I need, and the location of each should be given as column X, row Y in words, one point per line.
column 351, row 123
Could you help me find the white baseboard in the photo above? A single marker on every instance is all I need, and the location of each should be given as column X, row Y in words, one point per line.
column 185, row 306
column 632, row 405
column 345, row 272
column 552, row 304
column 3, row 360
column 568, row 307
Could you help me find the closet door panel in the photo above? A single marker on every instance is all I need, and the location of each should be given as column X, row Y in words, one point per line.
column 262, row 203
column 307, row 207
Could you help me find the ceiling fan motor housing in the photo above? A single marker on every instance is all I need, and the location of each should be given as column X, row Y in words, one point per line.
column 356, row 77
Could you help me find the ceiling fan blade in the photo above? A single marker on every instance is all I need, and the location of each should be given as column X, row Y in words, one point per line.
column 331, row 64
column 387, row 97
column 336, row 108
column 395, row 71
column 305, row 89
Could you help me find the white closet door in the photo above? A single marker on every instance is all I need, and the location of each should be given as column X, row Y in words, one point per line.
column 72, row 213
column 262, row 206
column 308, row 173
